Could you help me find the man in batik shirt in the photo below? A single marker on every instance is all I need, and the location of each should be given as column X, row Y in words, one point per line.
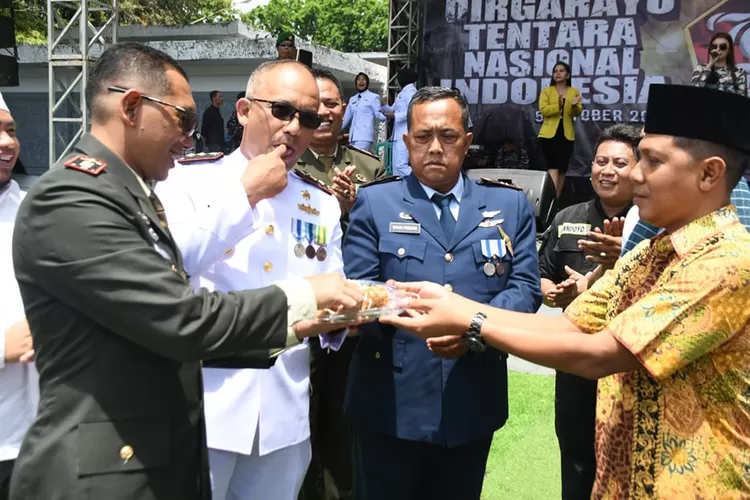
column 669, row 331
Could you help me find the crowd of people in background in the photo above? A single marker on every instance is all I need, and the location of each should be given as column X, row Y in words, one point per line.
column 559, row 104
column 174, row 300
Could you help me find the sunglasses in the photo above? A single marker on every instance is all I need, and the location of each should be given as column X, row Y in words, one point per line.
column 285, row 111
column 719, row 46
column 188, row 119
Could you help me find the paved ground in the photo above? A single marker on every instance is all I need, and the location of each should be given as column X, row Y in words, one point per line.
column 519, row 365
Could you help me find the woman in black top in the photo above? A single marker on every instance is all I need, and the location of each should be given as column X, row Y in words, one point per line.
column 575, row 397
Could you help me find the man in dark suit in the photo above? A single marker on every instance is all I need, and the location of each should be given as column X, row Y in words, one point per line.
column 118, row 330
column 212, row 128
column 423, row 425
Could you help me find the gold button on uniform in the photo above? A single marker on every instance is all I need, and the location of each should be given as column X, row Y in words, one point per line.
column 448, row 287
column 269, row 229
column 267, row 267
column 401, row 251
column 449, row 258
column 377, row 355
column 126, row 452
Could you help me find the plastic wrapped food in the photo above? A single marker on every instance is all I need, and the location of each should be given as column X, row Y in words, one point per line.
column 379, row 300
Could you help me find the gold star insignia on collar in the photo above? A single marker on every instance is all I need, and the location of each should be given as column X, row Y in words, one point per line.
column 306, row 194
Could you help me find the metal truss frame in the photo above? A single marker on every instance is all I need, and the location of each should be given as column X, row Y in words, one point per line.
column 72, row 36
column 404, row 39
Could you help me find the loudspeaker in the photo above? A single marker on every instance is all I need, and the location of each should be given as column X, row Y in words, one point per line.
column 8, row 71
column 537, row 186
column 305, row 57
column 7, row 33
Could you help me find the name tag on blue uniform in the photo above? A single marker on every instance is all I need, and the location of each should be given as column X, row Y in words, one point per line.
column 405, row 228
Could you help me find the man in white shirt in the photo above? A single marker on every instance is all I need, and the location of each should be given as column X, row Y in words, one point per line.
column 258, row 419
column 18, row 382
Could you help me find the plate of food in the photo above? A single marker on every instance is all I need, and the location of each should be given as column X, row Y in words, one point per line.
column 380, row 299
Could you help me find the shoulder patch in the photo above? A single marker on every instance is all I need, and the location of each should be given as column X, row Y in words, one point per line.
column 371, row 155
column 485, row 181
column 88, row 164
column 309, row 179
column 382, row 180
column 193, row 157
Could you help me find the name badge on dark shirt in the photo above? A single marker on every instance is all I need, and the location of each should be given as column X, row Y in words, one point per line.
column 405, row 228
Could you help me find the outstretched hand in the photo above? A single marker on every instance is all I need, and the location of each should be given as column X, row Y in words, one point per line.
column 436, row 313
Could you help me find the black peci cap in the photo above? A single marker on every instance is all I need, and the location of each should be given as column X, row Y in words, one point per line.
column 699, row 113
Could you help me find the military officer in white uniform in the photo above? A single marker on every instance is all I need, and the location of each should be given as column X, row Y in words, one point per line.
column 258, row 419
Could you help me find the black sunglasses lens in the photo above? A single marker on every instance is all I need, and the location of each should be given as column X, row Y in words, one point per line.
column 282, row 111
column 189, row 123
column 309, row 119
column 722, row 46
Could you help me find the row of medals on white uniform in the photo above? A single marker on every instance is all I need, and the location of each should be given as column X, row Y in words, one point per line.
column 309, row 250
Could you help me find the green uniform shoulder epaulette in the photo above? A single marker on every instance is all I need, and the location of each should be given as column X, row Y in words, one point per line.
column 309, row 179
column 89, row 164
column 382, row 180
column 368, row 153
column 193, row 157
column 485, row 181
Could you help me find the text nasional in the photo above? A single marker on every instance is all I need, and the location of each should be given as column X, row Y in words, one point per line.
column 532, row 10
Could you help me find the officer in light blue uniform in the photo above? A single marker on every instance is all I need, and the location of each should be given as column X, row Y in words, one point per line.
column 363, row 109
column 407, row 78
column 423, row 424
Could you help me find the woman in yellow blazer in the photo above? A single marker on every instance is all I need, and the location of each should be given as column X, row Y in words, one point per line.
column 559, row 103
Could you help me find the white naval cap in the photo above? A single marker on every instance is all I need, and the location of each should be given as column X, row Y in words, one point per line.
column 3, row 106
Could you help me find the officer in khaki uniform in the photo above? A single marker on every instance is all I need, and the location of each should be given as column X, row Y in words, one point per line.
column 366, row 166
column 330, row 473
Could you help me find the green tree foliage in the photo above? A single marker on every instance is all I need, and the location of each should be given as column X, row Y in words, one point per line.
column 31, row 15
column 346, row 25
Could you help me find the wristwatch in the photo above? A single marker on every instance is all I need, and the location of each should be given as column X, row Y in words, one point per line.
column 473, row 336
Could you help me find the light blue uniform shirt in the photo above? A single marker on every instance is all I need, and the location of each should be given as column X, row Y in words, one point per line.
column 400, row 156
column 360, row 116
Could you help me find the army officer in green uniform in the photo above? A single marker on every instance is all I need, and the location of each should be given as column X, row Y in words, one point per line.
column 325, row 156
column 342, row 169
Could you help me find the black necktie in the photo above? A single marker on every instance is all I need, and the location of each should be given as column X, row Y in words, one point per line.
column 447, row 222
column 159, row 209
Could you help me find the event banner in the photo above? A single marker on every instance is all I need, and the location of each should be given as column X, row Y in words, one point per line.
column 500, row 55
